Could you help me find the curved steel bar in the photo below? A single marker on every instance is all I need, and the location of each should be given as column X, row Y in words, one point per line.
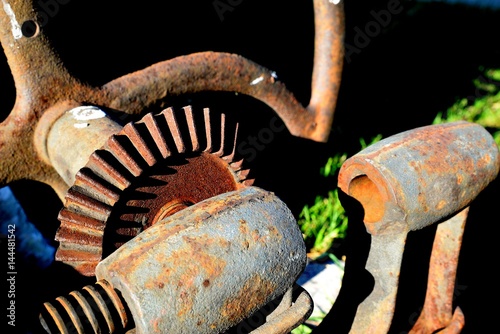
column 40, row 80
column 207, row 71
column 215, row 71
column 328, row 63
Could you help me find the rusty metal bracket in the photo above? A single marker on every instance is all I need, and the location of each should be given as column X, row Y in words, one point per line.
column 407, row 182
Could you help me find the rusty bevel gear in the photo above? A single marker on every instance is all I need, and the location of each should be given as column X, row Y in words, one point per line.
column 149, row 170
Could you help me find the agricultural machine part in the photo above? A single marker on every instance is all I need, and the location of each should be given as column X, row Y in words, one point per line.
column 42, row 82
column 136, row 174
column 204, row 269
column 58, row 122
column 407, row 182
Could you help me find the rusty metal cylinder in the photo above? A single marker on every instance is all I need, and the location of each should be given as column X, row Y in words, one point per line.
column 73, row 135
column 207, row 267
column 418, row 177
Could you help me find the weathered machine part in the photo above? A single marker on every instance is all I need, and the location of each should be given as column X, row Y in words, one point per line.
column 409, row 181
column 232, row 73
column 437, row 313
column 42, row 81
column 136, row 174
column 203, row 269
column 44, row 88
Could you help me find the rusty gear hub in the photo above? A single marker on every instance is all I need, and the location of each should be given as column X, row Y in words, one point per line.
column 148, row 171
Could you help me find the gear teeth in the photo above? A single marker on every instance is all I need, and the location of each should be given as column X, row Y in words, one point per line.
column 106, row 171
column 73, row 235
column 249, row 182
column 220, row 152
column 120, row 153
column 208, row 130
column 78, row 202
column 174, row 129
column 113, row 169
column 80, row 238
column 230, row 156
column 69, row 217
column 76, row 255
column 236, row 166
column 131, row 131
column 192, row 128
column 93, row 186
column 156, row 134
column 242, row 174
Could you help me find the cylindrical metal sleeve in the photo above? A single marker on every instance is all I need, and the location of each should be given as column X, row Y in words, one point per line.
column 74, row 136
column 207, row 267
column 420, row 176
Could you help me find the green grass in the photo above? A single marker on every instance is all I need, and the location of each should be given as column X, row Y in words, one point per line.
column 483, row 108
column 325, row 222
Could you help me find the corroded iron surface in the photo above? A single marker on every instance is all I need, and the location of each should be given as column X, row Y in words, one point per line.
column 147, row 171
column 210, row 266
column 42, row 81
column 407, row 182
column 420, row 176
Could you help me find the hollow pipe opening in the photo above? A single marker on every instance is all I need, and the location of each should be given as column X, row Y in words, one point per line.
column 367, row 193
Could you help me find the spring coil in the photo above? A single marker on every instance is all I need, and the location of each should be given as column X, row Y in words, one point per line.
column 87, row 311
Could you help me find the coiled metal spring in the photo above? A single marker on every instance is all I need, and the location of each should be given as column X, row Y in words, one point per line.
column 96, row 309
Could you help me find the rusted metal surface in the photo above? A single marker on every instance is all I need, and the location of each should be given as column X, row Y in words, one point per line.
column 289, row 317
column 437, row 312
column 407, row 182
column 235, row 252
column 327, row 68
column 210, row 266
column 214, row 72
column 42, row 81
column 420, row 176
column 81, row 312
column 143, row 173
column 74, row 136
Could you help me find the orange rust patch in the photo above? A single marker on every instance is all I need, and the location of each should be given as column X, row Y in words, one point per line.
column 441, row 205
column 199, row 263
column 366, row 192
column 423, row 202
column 255, row 235
column 243, row 227
column 251, row 297
column 274, row 231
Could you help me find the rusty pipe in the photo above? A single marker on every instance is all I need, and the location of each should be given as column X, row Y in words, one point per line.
column 407, row 182
column 420, row 176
